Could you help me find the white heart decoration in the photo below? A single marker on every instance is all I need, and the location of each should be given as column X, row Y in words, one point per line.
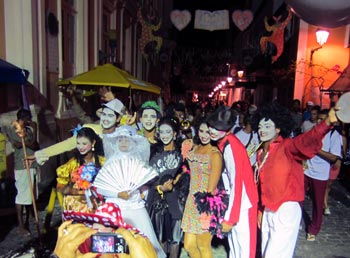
column 180, row 19
column 242, row 19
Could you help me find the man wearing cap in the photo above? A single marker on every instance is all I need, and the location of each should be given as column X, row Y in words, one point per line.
column 241, row 216
column 110, row 116
column 307, row 111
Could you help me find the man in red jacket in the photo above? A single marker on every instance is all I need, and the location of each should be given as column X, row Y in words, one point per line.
column 280, row 176
column 241, row 216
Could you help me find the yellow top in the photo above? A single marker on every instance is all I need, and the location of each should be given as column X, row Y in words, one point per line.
column 64, row 171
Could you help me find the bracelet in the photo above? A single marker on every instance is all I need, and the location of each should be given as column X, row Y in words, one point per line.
column 336, row 160
column 160, row 191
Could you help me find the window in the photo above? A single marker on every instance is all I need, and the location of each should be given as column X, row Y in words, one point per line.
column 68, row 37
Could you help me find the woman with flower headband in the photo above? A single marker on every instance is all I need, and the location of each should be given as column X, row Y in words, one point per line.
column 74, row 178
column 205, row 161
column 163, row 197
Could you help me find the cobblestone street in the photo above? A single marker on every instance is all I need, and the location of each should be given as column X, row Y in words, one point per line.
column 332, row 242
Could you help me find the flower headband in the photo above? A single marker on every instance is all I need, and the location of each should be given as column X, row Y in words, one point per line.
column 150, row 104
column 76, row 129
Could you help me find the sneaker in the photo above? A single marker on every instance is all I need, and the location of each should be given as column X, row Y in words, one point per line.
column 327, row 211
column 310, row 237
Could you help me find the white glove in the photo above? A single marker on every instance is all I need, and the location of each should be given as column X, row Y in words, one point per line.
column 41, row 157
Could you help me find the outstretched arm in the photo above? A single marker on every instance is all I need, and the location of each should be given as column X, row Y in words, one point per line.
column 43, row 155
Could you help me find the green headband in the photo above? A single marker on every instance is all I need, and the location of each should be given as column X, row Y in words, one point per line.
column 150, row 105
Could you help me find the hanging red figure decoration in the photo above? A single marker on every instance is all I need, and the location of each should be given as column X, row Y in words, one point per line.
column 147, row 36
column 277, row 37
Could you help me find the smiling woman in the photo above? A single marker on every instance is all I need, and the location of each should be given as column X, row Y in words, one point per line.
column 163, row 204
column 75, row 177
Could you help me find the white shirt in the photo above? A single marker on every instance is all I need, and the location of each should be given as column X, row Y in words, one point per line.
column 307, row 125
column 229, row 178
column 254, row 142
column 317, row 167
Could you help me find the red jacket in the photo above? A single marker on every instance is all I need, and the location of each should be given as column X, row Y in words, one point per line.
column 282, row 175
column 242, row 174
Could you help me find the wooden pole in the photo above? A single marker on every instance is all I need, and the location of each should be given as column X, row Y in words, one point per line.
column 31, row 188
column 21, row 134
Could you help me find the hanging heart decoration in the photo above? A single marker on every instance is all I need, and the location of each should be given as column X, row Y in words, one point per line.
column 180, row 19
column 242, row 19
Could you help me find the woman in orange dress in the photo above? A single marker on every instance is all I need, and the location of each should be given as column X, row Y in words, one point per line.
column 205, row 161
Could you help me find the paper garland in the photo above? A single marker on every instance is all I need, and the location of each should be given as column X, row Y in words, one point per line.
column 242, row 19
column 180, row 19
column 206, row 20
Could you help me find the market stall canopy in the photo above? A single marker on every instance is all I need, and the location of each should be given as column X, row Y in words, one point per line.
column 342, row 84
column 10, row 73
column 109, row 75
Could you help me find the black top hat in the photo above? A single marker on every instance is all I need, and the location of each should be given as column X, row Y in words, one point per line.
column 222, row 119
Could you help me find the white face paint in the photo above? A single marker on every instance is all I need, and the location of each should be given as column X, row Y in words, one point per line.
column 149, row 119
column 166, row 133
column 124, row 143
column 83, row 145
column 266, row 130
column 108, row 118
column 203, row 134
column 216, row 135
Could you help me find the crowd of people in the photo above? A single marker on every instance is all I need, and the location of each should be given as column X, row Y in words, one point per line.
column 238, row 172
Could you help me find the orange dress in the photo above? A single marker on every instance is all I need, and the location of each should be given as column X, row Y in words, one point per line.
column 200, row 166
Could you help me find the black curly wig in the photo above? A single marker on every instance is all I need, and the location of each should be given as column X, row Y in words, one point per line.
column 279, row 114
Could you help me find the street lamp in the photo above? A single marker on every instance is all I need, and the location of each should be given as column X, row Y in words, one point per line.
column 321, row 37
column 240, row 74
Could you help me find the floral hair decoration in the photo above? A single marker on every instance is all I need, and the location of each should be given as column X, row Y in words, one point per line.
column 76, row 129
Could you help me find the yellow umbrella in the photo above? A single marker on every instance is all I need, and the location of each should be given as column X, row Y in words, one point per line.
column 109, row 75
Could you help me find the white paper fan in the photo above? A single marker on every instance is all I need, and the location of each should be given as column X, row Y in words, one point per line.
column 123, row 174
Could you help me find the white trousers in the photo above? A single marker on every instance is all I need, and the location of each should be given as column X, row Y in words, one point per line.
column 239, row 237
column 24, row 195
column 279, row 230
column 139, row 218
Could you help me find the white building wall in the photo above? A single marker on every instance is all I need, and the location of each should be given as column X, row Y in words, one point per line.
column 81, row 48
column 18, row 31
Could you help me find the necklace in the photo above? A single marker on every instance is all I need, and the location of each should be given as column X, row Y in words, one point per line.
column 258, row 167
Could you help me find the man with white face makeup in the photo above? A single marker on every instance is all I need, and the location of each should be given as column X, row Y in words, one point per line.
column 149, row 114
column 110, row 116
column 280, row 176
column 241, row 215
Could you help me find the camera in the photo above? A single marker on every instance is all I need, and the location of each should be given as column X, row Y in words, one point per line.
column 108, row 243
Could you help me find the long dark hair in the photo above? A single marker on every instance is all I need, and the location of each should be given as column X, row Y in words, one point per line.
column 174, row 124
column 92, row 136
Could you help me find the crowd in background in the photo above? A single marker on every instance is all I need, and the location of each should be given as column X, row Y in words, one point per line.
column 198, row 148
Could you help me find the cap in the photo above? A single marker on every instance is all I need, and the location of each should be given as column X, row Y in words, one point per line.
column 108, row 214
column 116, row 105
column 222, row 119
column 309, row 103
